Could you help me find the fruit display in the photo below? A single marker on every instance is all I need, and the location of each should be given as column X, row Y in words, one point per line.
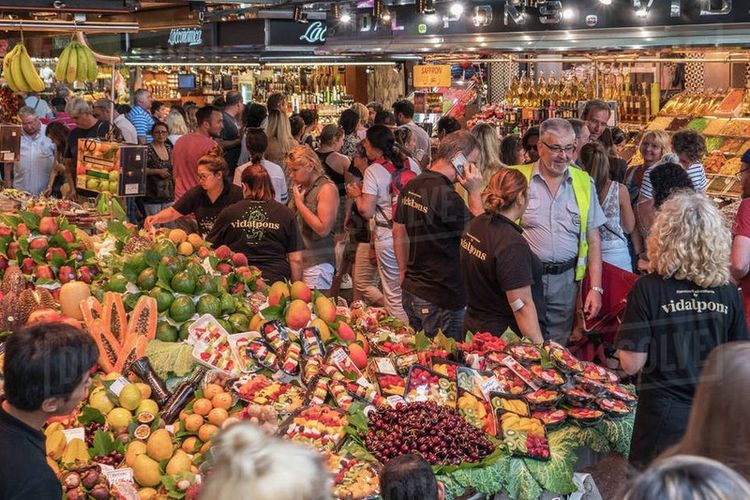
column 19, row 71
column 76, row 64
column 425, row 385
column 188, row 335
column 449, row 439
column 319, row 426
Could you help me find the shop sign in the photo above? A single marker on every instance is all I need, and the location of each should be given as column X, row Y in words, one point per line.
column 288, row 33
column 483, row 16
column 185, row 36
column 432, row 75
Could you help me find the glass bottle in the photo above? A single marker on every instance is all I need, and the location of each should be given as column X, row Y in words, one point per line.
column 181, row 396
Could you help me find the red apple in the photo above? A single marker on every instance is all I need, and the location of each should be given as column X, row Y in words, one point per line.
column 48, row 225
column 44, row 271
column 55, row 251
column 28, row 265
column 67, row 235
column 12, row 249
column 22, row 230
column 203, row 252
column 5, row 231
column 224, row 268
column 84, row 273
column 38, row 244
column 238, row 288
column 66, row 273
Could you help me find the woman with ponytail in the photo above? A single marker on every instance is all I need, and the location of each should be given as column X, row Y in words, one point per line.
column 256, row 142
column 375, row 199
column 504, row 275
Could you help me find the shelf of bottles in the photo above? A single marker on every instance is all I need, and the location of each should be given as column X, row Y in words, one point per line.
column 530, row 100
column 163, row 84
column 321, row 88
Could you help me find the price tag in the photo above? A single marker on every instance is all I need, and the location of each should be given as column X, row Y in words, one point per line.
column 394, row 401
column 106, row 468
column 118, row 385
column 114, row 475
column 385, row 366
column 131, row 188
column 76, row 433
column 169, row 428
column 489, row 386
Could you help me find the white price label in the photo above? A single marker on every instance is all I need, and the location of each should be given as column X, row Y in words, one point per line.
column 489, row 386
column 76, row 433
column 131, row 188
column 394, row 401
column 385, row 366
column 114, row 475
column 118, row 385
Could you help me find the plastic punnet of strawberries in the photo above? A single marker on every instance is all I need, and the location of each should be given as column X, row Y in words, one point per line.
column 435, row 432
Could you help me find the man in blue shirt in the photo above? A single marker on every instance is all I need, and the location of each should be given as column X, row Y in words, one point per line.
column 140, row 116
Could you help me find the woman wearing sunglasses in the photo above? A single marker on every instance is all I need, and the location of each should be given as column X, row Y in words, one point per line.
column 206, row 200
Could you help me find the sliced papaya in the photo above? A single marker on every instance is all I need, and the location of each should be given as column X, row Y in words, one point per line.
column 142, row 322
column 110, row 351
column 114, row 316
column 134, row 348
column 91, row 309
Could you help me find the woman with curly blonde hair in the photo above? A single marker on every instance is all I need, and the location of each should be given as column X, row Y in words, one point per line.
column 675, row 316
column 248, row 463
column 506, row 277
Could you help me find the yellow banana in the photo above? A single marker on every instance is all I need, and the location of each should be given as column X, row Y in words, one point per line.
column 15, row 67
column 91, row 64
column 81, row 71
column 62, row 64
column 70, row 71
column 8, row 72
column 29, row 71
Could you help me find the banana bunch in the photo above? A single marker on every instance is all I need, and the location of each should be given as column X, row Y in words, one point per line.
column 76, row 64
column 19, row 71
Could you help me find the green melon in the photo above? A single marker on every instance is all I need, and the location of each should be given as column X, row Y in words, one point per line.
column 183, row 282
column 163, row 298
column 182, row 309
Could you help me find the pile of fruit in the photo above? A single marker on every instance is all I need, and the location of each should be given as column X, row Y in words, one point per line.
column 192, row 340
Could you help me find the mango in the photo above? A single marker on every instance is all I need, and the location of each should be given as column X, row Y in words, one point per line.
column 325, row 309
column 325, row 332
column 346, row 333
column 256, row 323
column 277, row 290
column 180, row 462
column 159, row 446
column 134, row 449
column 146, row 471
column 297, row 314
column 300, row 291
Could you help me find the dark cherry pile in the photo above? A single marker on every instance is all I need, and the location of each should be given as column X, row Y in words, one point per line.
column 436, row 432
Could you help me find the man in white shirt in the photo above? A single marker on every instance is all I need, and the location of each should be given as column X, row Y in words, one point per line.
column 102, row 110
column 404, row 111
column 37, row 157
column 39, row 105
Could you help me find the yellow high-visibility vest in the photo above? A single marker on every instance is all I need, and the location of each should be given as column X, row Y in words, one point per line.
column 582, row 191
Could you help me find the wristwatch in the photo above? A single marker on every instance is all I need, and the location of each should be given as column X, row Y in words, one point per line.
column 598, row 289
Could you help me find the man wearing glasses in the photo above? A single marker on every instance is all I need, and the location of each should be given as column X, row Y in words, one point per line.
column 561, row 225
column 740, row 267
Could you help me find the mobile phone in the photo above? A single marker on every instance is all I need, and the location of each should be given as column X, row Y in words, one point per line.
column 458, row 162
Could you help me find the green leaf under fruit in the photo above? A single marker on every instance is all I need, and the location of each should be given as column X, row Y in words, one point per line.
column 89, row 414
column 273, row 312
column 30, row 219
column 118, row 230
column 104, row 444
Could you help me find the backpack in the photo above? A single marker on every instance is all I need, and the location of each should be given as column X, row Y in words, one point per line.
column 399, row 179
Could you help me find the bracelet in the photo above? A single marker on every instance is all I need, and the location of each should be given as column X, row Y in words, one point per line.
column 598, row 289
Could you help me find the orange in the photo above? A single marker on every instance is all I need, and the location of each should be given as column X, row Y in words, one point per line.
column 207, row 431
column 222, row 400
column 206, row 446
column 202, row 406
column 191, row 445
column 193, row 423
column 217, row 416
column 211, row 390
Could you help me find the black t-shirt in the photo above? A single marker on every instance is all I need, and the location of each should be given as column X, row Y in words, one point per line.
column 230, row 132
column 24, row 473
column 265, row 231
column 196, row 201
column 98, row 131
column 495, row 258
column 435, row 217
column 678, row 323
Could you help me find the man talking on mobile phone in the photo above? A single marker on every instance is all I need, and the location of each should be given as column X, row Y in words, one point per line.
column 430, row 219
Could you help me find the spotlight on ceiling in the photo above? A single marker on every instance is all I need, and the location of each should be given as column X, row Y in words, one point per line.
column 482, row 15
column 568, row 14
column 605, row 2
column 456, row 9
column 345, row 18
column 386, row 16
column 642, row 12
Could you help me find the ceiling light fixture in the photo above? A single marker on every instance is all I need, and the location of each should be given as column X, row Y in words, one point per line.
column 568, row 14
column 605, row 2
column 345, row 18
column 456, row 9
column 426, row 6
column 386, row 16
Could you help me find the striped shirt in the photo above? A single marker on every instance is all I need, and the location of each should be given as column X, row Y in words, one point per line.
column 142, row 121
column 695, row 172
